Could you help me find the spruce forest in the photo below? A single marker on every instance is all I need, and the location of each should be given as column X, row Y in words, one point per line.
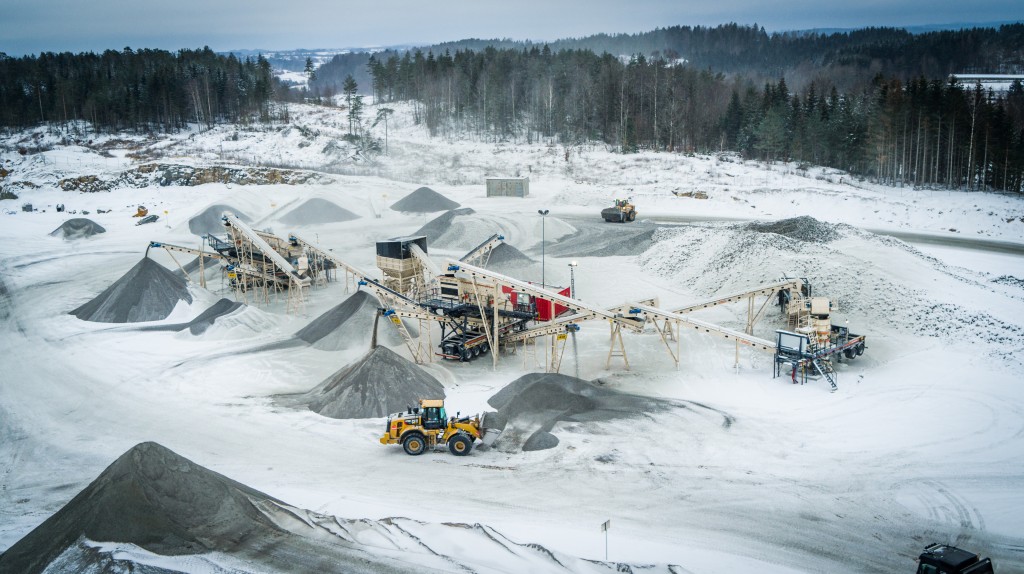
column 878, row 103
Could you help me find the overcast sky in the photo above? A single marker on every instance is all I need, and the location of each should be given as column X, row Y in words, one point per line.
column 33, row 26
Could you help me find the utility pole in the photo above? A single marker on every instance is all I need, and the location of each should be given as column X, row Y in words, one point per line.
column 543, row 216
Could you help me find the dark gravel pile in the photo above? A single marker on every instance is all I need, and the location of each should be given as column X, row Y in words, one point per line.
column 505, row 254
column 317, row 210
column 209, row 220
column 380, row 383
column 172, row 507
column 205, row 320
column 530, row 406
column 436, row 227
column 78, row 228
column 803, row 228
column 350, row 324
column 424, row 200
column 147, row 292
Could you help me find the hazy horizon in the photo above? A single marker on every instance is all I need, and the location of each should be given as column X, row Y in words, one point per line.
column 31, row 27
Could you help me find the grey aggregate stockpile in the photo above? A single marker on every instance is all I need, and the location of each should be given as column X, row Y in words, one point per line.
column 316, row 210
column 148, row 292
column 505, row 254
column 78, row 228
column 205, row 320
column 210, row 220
column 350, row 324
column 436, row 227
column 803, row 228
column 377, row 385
column 168, row 505
column 532, row 404
column 424, row 200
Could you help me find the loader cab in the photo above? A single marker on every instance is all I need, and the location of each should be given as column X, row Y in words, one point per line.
column 432, row 414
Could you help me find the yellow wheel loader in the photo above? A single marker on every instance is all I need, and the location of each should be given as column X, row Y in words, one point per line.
column 427, row 425
column 623, row 211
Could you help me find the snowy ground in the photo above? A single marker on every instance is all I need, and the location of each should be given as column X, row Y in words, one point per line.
column 922, row 442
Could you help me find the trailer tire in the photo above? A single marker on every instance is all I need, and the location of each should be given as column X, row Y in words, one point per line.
column 849, row 353
column 465, row 355
column 414, row 444
column 860, row 349
column 476, row 351
column 484, row 348
column 460, row 445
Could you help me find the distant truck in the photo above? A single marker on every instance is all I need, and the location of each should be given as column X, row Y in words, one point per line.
column 943, row 559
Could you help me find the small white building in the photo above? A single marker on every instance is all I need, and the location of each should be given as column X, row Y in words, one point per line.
column 508, row 186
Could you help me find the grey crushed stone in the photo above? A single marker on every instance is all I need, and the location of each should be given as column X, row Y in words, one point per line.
column 803, row 228
column 78, row 228
column 316, row 211
column 171, row 506
column 147, row 292
column 204, row 320
column 532, row 404
column 437, row 226
column 424, row 200
column 350, row 324
column 380, row 383
column 210, row 220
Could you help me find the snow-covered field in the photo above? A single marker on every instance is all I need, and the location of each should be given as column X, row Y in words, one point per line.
column 923, row 441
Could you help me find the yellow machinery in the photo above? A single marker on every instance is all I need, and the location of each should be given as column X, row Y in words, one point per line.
column 623, row 211
column 141, row 212
column 426, row 426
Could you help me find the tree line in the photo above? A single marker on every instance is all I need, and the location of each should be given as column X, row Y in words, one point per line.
column 919, row 132
column 847, row 58
column 134, row 89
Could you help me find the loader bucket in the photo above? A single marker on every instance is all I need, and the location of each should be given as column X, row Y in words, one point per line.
column 491, row 426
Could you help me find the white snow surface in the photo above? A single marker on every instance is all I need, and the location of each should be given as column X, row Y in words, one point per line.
column 922, row 443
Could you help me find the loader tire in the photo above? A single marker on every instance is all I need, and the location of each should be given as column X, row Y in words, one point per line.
column 632, row 216
column 414, row 444
column 460, row 445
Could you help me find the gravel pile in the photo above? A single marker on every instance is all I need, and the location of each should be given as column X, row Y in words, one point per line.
column 505, row 254
column 712, row 259
column 315, row 211
column 803, row 228
column 439, row 225
column 184, row 516
column 154, row 498
column 78, row 228
column 148, row 292
column 350, row 324
column 205, row 320
column 209, row 220
column 529, row 407
column 380, row 383
column 424, row 200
